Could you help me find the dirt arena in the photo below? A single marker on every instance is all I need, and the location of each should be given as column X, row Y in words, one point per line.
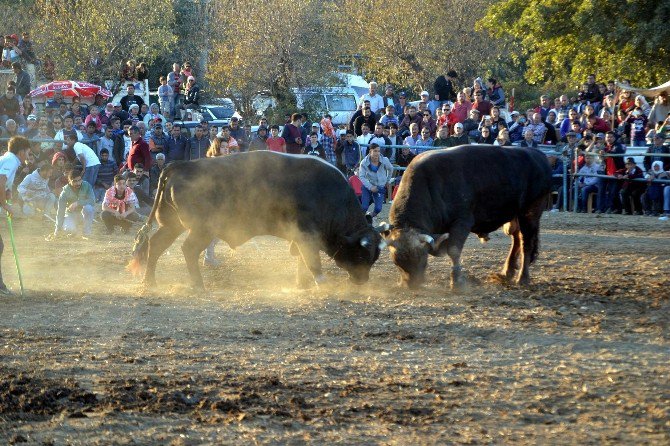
column 580, row 357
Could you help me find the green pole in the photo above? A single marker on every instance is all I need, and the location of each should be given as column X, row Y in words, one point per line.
column 16, row 256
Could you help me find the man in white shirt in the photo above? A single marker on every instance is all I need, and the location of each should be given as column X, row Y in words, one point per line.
column 89, row 160
column 376, row 101
column 18, row 148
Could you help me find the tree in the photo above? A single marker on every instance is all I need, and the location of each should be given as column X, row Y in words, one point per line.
column 566, row 40
column 269, row 45
column 410, row 45
column 75, row 32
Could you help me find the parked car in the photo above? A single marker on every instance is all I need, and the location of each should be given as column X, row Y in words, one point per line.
column 339, row 102
column 215, row 114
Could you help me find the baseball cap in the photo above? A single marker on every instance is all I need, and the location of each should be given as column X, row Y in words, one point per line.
column 190, row 78
column 600, row 135
column 514, row 113
column 571, row 134
column 425, row 93
column 32, row 118
column 459, row 125
column 402, row 94
column 160, row 156
column 116, row 104
column 315, row 124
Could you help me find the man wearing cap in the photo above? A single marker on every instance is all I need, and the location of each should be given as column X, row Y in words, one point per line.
column 376, row 101
column 31, row 128
column 157, row 141
column 192, row 97
column 131, row 98
column 459, row 137
column 119, row 112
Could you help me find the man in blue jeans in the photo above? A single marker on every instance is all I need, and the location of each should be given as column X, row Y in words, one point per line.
column 375, row 173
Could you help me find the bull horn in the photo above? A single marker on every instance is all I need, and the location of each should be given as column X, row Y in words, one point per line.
column 383, row 227
column 425, row 238
column 365, row 242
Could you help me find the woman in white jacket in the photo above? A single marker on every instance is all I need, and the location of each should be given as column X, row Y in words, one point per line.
column 375, row 172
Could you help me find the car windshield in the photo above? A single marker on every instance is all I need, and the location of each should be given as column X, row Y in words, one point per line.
column 341, row 102
column 222, row 112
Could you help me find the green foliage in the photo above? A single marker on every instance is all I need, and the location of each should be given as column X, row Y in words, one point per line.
column 565, row 40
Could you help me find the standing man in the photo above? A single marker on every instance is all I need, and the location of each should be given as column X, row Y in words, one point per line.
column 22, row 80
column 389, row 98
column 292, row 135
column 17, row 153
column 198, row 144
column 28, row 56
column 131, row 98
column 376, row 101
column 139, row 151
column 89, row 160
column 176, row 145
column 444, row 87
column 237, row 132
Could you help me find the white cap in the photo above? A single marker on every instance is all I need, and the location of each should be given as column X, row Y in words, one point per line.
column 425, row 93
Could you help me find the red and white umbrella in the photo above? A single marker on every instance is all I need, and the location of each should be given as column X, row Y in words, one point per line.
column 70, row 89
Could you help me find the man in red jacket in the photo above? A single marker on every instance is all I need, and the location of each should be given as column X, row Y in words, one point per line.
column 139, row 151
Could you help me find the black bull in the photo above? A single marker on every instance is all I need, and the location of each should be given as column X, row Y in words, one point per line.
column 234, row 198
column 447, row 194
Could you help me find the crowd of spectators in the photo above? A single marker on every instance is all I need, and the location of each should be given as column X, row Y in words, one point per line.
column 105, row 158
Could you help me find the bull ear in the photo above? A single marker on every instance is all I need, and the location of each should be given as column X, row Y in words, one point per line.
column 438, row 248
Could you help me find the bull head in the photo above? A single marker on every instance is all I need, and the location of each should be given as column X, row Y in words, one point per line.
column 409, row 251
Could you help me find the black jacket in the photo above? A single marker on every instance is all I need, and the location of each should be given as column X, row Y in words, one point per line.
column 444, row 88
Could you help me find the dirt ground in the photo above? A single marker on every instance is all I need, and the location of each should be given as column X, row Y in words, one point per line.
column 580, row 357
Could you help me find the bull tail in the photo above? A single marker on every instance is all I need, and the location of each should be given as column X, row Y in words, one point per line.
column 140, row 251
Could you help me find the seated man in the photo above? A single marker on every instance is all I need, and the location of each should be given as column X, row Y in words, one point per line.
column 35, row 193
column 155, row 172
column 375, row 173
column 76, row 198
column 143, row 202
column 118, row 206
column 587, row 184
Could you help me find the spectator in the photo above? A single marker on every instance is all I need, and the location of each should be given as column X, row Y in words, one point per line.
column 28, row 57
column 59, row 173
column 529, row 139
column 22, row 80
column 357, row 113
column 134, row 114
column 444, row 87
column 48, row 68
column 131, row 98
column 91, row 139
column 538, row 128
column 442, row 139
column 90, row 163
column 292, row 135
column 638, row 126
column 429, row 123
column 328, row 139
column 128, row 71
column 143, row 202
column 108, row 169
column 31, row 128
column 481, row 104
column 155, row 172
column 485, row 136
column 176, row 145
column 495, row 92
column 657, row 148
column 275, row 142
column 424, row 143
column 404, row 157
column 349, row 154
column 198, row 144
column 165, row 94
column 141, row 72
column 139, row 150
column 471, row 125
column 660, row 110
column 608, row 189
column 376, row 101
column 94, row 117
column 118, row 206
column 76, row 198
column 258, row 142
column 652, row 199
column 10, row 107
column 630, row 189
column 237, row 132
column 380, row 139
column 157, row 140
column 626, row 101
column 364, row 138
column 389, row 116
column 411, row 118
column 413, row 137
column 314, row 148
column 153, row 116
column 174, row 81
column 10, row 52
column 227, row 144
column 191, row 94
column 641, row 102
column 375, row 172
column 366, row 118
column 459, row 137
column 35, row 194
column 389, row 99
column 503, row 138
column 400, row 107
column 587, row 184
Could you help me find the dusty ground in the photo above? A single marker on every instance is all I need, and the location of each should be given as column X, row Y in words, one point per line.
column 581, row 357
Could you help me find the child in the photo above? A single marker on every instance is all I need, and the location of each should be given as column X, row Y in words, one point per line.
column 275, row 142
column 652, row 199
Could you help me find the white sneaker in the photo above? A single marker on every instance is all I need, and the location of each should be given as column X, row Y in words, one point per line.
column 664, row 218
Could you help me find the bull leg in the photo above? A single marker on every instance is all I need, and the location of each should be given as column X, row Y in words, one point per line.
column 529, row 226
column 457, row 237
column 194, row 244
column 158, row 243
column 309, row 259
column 511, row 264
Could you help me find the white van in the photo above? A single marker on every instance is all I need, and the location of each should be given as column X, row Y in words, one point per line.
column 338, row 102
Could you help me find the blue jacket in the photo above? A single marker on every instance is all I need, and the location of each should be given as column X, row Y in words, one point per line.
column 175, row 149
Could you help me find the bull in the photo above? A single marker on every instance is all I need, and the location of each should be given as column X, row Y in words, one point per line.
column 447, row 194
column 295, row 197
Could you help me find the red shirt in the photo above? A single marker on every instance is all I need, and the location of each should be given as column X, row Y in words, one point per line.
column 139, row 153
column 277, row 144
